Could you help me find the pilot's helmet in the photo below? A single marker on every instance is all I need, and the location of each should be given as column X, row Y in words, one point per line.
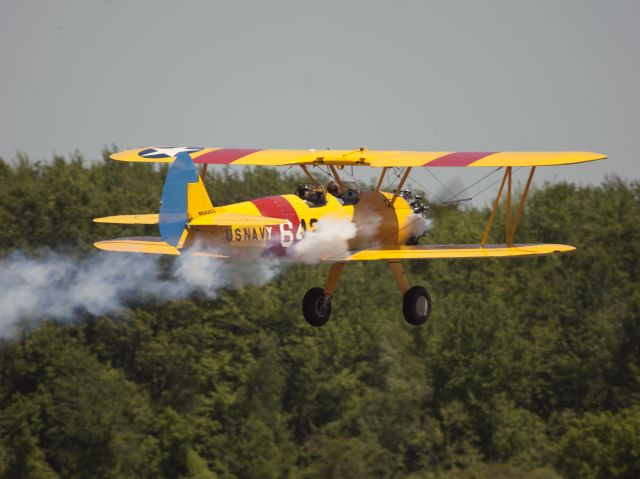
column 350, row 197
column 302, row 190
column 332, row 188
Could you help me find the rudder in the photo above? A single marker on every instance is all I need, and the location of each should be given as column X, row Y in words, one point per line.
column 184, row 197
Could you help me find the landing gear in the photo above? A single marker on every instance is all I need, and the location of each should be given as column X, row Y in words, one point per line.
column 416, row 305
column 316, row 307
column 416, row 301
column 316, row 304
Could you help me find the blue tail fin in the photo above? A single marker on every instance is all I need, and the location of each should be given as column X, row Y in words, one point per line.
column 173, row 205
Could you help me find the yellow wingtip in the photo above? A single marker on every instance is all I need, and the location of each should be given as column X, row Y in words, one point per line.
column 141, row 219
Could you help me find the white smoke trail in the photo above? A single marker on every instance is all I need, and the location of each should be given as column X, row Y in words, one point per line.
column 57, row 287
column 209, row 275
column 419, row 225
column 329, row 238
column 368, row 230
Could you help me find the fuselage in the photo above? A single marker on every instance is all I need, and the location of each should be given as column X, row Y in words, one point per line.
column 377, row 222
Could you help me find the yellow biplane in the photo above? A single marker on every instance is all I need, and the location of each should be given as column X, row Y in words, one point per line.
column 388, row 225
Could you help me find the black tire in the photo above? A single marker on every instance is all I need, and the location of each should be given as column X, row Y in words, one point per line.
column 416, row 305
column 316, row 312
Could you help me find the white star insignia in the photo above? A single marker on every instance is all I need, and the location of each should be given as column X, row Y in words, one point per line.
column 169, row 152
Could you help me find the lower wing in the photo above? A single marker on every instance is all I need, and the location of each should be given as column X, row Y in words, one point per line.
column 442, row 251
column 451, row 251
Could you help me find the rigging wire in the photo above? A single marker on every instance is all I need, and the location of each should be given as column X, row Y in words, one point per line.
column 325, row 172
column 438, row 199
column 495, row 183
column 438, row 180
column 474, row 183
column 453, row 196
column 397, row 172
column 350, row 175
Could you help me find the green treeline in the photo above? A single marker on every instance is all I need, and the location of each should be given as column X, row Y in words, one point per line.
column 528, row 368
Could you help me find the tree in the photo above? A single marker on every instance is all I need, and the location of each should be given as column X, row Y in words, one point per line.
column 602, row 445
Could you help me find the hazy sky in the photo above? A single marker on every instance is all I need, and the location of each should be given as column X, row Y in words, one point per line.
column 449, row 75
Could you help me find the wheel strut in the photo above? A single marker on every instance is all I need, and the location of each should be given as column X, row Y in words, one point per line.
column 399, row 275
column 332, row 281
column 334, row 276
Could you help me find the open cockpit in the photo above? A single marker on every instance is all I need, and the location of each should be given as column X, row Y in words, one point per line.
column 314, row 194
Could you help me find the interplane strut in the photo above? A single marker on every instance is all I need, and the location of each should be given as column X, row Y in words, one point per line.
column 510, row 228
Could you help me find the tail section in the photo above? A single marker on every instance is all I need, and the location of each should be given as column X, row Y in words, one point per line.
column 184, row 197
column 198, row 201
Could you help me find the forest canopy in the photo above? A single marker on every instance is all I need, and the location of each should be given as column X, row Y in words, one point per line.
column 528, row 367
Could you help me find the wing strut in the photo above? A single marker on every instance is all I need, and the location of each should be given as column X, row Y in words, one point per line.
column 512, row 233
column 335, row 175
column 510, row 229
column 384, row 171
column 487, row 228
column 334, row 276
column 507, row 222
column 400, row 185
column 309, row 175
column 399, row 275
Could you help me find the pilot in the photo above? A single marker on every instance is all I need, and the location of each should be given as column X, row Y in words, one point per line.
column 315, row 196
column 302, row 192
column 350, row 197
column 312, row 195
column 334, row 189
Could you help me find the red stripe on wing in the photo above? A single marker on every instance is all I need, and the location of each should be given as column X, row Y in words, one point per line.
column 223, row 156
column 278, row 207
column 460, row 158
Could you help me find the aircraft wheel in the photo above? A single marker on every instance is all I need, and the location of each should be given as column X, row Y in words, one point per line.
column 315, row 309
column 416, row 305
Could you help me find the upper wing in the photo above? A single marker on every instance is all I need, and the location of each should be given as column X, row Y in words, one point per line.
column 377, row 158
column 446, row 251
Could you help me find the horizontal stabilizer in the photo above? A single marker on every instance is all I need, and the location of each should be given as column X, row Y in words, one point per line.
column 233, row 219
column 451, row 251
column 137, row 244
column 147, row 219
